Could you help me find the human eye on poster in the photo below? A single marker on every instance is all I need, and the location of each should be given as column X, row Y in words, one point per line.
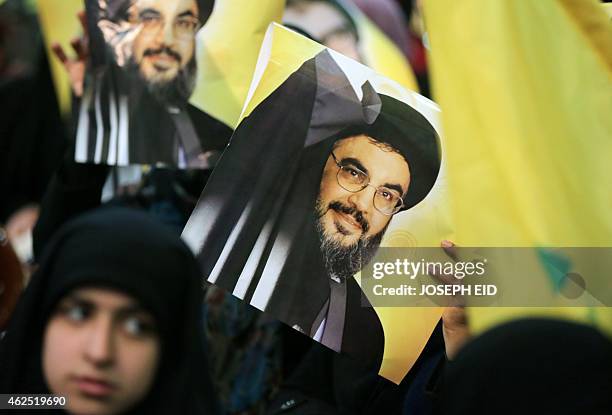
column 327, row 163
column 141, row 74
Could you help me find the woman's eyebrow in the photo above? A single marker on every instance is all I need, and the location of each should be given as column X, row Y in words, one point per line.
column 77, row 299
column 132, row 308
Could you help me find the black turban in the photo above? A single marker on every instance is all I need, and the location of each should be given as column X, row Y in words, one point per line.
column 116, row 10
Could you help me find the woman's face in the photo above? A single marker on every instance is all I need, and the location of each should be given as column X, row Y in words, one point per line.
column 101, row 351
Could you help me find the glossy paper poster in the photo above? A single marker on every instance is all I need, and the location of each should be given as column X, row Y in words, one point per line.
column 141, row 73
column 226, row 57
column 330, row 161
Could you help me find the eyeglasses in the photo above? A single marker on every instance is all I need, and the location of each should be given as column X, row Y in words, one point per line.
column 184, row 27
column 350, row 178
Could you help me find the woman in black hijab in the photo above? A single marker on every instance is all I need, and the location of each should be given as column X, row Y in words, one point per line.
column 114, row 307
column 534, row 366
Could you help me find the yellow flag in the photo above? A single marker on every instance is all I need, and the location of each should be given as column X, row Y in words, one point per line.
column 228, row 48
column 525, row 89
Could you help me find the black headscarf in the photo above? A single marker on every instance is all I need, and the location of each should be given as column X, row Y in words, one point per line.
column 534, row 366
column 130, row 252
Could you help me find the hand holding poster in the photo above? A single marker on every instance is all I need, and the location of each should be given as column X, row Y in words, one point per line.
column 328, row 154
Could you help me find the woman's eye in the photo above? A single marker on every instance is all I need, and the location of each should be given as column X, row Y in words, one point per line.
column 136, row 326
column 133, row 326
column 76, row 313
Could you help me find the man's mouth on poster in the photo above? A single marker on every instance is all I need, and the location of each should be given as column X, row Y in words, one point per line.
column 163, row 59
column 348, row 220
column 341, row 223
column 166, row 74
column 345, row 245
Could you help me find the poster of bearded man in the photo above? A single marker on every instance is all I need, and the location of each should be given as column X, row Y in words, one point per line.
column 141, row 73
column 328, row 156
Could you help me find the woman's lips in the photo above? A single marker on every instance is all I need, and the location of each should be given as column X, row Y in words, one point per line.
column 94, row 387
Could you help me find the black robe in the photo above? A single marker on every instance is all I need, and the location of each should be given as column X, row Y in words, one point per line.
column 120, row 122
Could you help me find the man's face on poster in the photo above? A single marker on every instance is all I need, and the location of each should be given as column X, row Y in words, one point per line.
column 165, row 41
column 351, row 222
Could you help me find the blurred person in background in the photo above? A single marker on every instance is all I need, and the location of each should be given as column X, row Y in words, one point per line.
column 390, row 18
column 11, row 280
column 530, row 366
column 112, row 321
column 330, row 23
column 418, row 44
column 326, row 22
column 245, row 352
column 143, row 69
column 32, row 134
